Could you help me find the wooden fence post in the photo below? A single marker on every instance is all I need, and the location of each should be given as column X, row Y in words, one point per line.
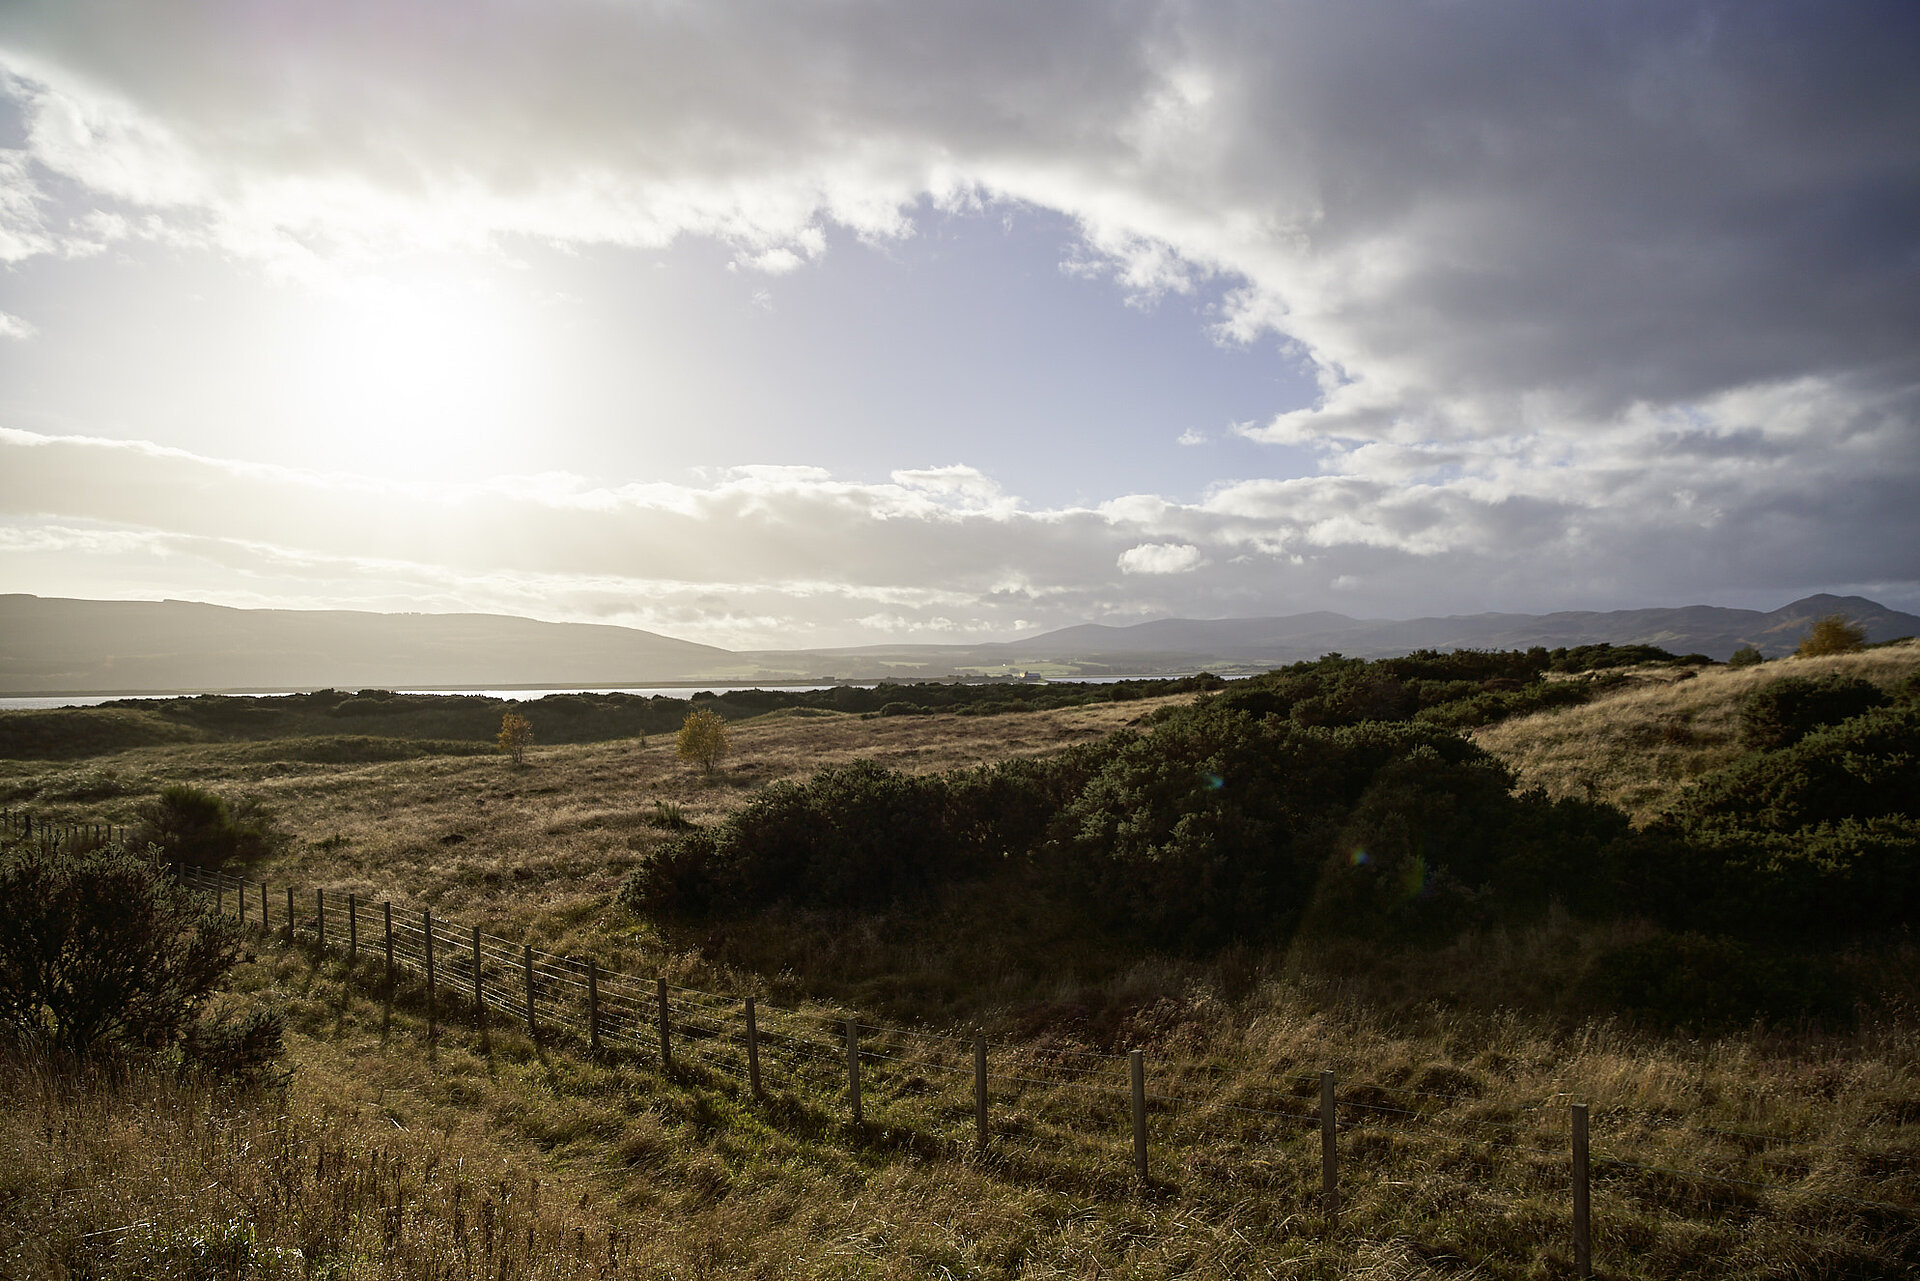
column 526, row 960
column 386, row 911
column 426, row 928
column 1137, row 1071
column 980, row 1090
column 353, row 930
column 753, row 1051
column 593, row 1006
column 1582, row 1238
column 853, row 1070
column 666, row 1028
column 1329, row 1152
column 320, row 919
column 240, row 903
column 479, row 993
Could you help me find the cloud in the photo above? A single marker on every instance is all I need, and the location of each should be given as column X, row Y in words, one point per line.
column 1159, row 558
column 1605, row 299
column 14, row 327
column 943, row 550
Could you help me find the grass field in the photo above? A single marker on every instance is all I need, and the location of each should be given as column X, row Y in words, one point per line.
column 390, row 1154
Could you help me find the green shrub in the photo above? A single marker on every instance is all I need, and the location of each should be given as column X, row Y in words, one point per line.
column 1587, row 658
column 859, row 835
column 1746, row 656
column 1780, row 714
column 1214, row 825
column 192, row 825
column 1822, row 837
column 104, row 949
column 1219, row 826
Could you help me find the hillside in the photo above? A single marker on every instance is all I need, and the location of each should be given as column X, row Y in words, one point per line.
column 78, row 647
column 1639, row 745
column 73, row 646
column 399, row 1147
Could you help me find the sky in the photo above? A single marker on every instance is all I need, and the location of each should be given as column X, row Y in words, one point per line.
column 837, row 322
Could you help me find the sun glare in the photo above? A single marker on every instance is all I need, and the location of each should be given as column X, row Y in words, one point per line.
column 415, row 379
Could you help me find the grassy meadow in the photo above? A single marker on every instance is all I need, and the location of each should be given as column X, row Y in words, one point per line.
column 479, row 1153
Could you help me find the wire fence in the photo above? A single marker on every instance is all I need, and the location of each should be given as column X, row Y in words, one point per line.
column 963, row 1092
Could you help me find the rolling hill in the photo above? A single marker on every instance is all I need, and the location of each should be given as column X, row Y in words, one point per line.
column 60, row 646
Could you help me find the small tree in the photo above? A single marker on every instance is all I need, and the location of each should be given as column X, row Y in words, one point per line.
column 1834, row 634
column 515, row 736
column 703, row 739
column 1746, row 656
column 104, row 949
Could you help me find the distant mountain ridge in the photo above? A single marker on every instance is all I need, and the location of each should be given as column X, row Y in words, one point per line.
column 60, row 646
column 1707, row 629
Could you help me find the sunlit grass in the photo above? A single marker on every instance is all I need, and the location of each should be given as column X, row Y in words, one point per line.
column 1635, row 747
column 1475, row 1048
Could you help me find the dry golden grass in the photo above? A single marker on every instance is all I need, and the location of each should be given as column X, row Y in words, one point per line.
column 1636, row 746
column 692, row 1179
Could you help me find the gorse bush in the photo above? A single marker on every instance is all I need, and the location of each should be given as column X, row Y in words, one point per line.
column 1781, row 714
column 1218, row 827
column 195, row 826
column 1214, row 825
column 104, row 949
column 1819, row 837
column 856, row 835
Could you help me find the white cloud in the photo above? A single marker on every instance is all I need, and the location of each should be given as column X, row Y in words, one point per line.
column 1554, row 265
column 943, row 549
column 1159, row 558
column 14, row 327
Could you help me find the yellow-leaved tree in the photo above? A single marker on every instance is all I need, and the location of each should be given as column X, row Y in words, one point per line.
column 515, row 736
column 703, row 739
column 1834, row 634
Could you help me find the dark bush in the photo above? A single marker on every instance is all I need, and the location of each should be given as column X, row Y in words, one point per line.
column 1703, row 983
column 1215, row 825
column 195, row 826
column 1819, row 838
column 1200, row 831
column 860, row 835
column 1588, row 658
column 1219, row 826
column 104, row 949
column 1780, row 714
